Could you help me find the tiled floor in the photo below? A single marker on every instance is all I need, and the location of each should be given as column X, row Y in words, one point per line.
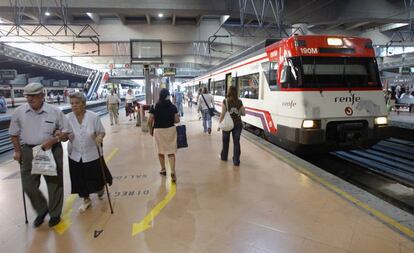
column 262, row 206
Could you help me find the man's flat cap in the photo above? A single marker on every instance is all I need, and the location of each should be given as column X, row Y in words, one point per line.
column 33, row 89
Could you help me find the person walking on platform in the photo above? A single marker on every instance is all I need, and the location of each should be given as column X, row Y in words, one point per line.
column 178, row 100
column 190, row 98
column 199, row 92
column 84, row 161
column 129, row 104
column 162, row 118
column 112, row 102
column 39, row 123
column 236, row 110
column 205, row 103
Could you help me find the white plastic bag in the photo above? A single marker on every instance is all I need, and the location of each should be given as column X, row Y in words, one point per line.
column 43, row 162
column 227, row 124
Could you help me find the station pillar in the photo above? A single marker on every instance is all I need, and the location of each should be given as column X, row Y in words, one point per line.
column 144, row 108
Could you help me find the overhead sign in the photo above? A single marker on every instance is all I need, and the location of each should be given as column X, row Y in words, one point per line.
column 8, row 74
column 169, row 71
column 145, row 51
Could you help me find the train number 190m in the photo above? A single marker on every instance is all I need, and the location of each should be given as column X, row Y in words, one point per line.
column 307, row 50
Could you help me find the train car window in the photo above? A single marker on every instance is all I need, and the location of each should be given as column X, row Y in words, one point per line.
column 5, row 93
column 270, row 73
column 290, row 75
column 18, row 93
column 339, row 72
column 249, row 86
column 219, row 88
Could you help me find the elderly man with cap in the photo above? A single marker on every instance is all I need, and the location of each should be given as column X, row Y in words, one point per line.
column 39, row 123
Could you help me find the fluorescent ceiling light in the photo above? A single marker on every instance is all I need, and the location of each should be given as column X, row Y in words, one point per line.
column 160, row 15
column 47, row 13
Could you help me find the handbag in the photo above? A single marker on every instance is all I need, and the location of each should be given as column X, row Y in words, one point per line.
column 210, row 110
column 227, row 124
column 181, row 136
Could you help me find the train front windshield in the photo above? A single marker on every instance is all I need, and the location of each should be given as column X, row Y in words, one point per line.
column 333, row 72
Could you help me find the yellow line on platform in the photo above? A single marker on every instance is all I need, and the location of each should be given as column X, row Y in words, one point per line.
column 66, row 222
column 376, row 213
column 146, row 223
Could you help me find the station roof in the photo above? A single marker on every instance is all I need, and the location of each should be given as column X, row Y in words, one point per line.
column 196, row 34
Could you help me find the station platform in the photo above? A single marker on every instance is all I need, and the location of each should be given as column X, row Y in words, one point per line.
column 401, row 120
column 262, row 206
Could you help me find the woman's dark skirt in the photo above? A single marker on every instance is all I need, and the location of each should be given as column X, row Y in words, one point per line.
column 85, row 178
column 129, row 108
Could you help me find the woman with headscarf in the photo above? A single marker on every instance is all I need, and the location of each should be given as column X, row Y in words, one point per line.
column 162, row 118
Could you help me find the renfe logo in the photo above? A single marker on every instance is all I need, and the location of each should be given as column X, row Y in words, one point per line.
column 289, row 104
column 351, row 99
column 307, row 50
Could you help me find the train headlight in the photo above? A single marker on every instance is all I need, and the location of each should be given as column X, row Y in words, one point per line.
column 309, row 123
column 381, row 120
column 334, row 41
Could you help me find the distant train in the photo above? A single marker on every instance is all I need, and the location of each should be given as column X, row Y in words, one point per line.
column 15, row 95
column 310, row 92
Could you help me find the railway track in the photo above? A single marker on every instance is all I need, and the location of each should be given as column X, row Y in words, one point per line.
column 393, row 158
column 386, row 170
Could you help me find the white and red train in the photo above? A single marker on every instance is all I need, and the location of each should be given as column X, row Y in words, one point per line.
column 310, row 92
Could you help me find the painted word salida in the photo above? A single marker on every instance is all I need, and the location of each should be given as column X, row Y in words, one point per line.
column 350, row 99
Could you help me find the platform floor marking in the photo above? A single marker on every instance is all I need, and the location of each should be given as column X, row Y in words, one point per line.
column 376, row 213
column 147, row 222
column 66, row 221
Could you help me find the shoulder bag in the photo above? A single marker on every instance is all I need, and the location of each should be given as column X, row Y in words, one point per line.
column 227, row 124
column 210, row 110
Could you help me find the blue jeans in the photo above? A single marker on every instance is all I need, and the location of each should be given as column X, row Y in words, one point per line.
column 235, row 132
column 206, row 120
column 180, row 109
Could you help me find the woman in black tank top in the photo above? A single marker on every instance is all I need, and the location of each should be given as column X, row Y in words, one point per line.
column 236, row 110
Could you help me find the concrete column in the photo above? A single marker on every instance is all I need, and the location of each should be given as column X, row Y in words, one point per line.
column 148, row 94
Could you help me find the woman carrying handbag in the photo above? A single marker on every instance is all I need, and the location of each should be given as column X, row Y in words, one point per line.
column 234, row 106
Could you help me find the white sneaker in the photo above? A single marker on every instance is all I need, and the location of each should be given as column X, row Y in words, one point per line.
column 85, row 205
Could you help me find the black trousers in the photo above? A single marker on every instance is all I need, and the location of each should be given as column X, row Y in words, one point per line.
column 235, row 132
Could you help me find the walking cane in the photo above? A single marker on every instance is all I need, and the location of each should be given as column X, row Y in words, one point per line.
column 24, row 197
column 104, row 177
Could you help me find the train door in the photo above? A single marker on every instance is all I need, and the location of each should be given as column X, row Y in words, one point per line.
column 228, row 83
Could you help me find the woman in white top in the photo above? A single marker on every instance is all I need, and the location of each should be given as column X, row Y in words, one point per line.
column 129, row 104
column 205, row 104
column 84, row 165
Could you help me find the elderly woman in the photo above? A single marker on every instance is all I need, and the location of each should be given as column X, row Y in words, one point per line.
column 129, row 104
column 84, row 166
column 161, row 121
